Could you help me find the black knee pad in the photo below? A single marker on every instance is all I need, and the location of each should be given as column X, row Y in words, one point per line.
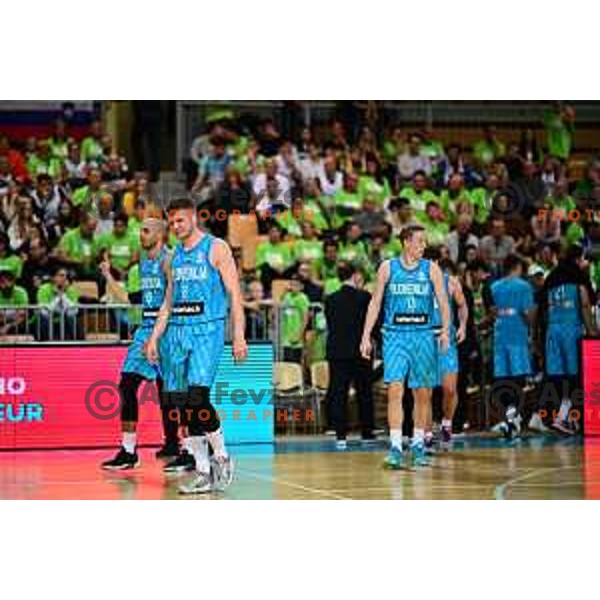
column 200, row 412
column 128, row 388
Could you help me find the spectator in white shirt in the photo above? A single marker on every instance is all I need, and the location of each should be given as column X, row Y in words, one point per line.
column 271, row 188
column 287, row 161
column 411, row 160
column 331, row 179
column 311, row 166
column 460, row 239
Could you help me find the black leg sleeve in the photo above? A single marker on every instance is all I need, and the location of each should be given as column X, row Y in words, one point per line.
column 128, row 388
column 200, row 412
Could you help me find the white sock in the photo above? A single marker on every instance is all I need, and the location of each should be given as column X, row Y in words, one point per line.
column 428, row 435
column 396, row 438
column 446, row 423
column 418, row 437
column 511, row 413
column 129, row 441
column 565, row 407
column 217, row 441
column 199, row 448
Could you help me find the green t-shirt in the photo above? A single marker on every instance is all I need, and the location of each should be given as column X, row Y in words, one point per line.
column 294, row 308
column 433, row 149
column 448, row 202
column 36, row 166
column 13, row 264
column 331, row 285
column 277, row 256
column 392, row 249
column 80, row 196
column 292, row 225
column 120, row 249
column 437, row 231
column 18, row 297
column 564, row 204
column 418, row 201
column 355, row 252
column 319, row 220
column 595, row 274
column 133, row 227
column 133, row 285
column 58, row 149
column 368, row 186
column 308, row 250
column 574, row 234
column 326, row 269
column 486, row 152
column 559, row 134
column 91, row 150
column 134, row 279
column 79, row 248
column 47, row 293
column 346, row 205
column 481, row 200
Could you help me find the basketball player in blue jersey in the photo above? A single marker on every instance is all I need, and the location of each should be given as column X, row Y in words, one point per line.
column 156, row 291
column 204, row 274
column 406, row 286
column 567, row 308
column 514, row 310
column 448, row 361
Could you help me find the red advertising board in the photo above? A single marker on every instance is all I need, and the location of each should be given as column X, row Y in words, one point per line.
column 67, row 397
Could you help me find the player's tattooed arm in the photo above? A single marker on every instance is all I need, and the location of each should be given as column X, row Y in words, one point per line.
column 383, row 274
column 222, row 259
column 463, row 310
column 437, row 279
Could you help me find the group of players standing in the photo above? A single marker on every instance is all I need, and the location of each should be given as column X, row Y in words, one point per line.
column 186, row 295
column 421, row 300
column 182, row 335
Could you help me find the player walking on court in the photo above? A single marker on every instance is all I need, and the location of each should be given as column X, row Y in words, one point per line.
column 448, row 361
column 204, row 273
column 568, row 313
column 156, row 290
column 406, row 286
column 514, row 310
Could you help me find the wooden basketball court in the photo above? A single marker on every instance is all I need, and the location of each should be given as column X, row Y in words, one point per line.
column 311, row 469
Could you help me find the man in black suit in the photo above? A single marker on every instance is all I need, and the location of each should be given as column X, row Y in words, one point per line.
column 345, row 313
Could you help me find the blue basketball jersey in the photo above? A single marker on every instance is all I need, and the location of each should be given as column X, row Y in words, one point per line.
column 437, row 315
column 408, row 297
column 512, row 296
column 154, row 286
column 564, row 306
column 199, row 295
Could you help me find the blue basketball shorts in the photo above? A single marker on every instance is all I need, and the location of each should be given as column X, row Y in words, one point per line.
column 412, row 355
column 512, row 360
column 562, row 349
column 448, row 361
column 136, row 361
column 191, row 355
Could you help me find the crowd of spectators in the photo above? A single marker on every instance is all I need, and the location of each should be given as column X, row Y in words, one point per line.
column 327, row 198
column 64, row 204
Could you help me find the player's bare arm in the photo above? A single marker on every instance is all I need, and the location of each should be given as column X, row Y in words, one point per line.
column 456, row 291
column 383, row 274
column 222, row 259
column 437, row 279
column 112, row 284
column 586, row 312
